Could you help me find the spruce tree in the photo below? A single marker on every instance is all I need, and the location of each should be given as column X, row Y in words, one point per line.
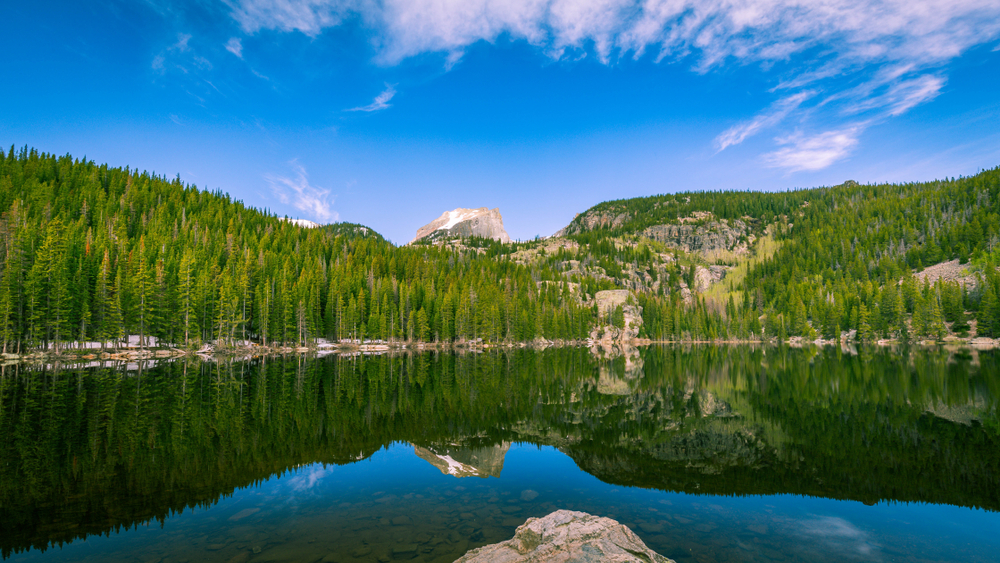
column 143, row 288
column 865, row 332
column 186, row 295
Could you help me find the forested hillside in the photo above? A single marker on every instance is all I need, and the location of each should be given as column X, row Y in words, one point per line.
column 824, row 261
column 92, row 253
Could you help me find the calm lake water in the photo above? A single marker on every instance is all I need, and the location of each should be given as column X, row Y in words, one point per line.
column 707, row 453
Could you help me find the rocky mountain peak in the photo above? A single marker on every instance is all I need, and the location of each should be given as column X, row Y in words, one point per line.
column 461, row 222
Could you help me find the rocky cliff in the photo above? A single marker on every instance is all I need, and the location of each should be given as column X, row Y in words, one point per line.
column 706, row 237
column 461, row 223
column 610, row 331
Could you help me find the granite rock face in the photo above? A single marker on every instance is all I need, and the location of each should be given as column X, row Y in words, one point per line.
column 607, row 300
column 461, row 222
column 591, row 221
column 565, row 536
column 713, row 235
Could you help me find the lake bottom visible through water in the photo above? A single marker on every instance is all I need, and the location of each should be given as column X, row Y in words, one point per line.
column 395, row 506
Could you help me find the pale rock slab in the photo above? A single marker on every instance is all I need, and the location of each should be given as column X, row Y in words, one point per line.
column 567, row 536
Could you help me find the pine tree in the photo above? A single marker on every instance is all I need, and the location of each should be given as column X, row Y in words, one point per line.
column 935, row 318
column 186, row 294
column 920, row 317
column 800, row 326
column 263, row 307
column 987, row 319
column 49, row 288
column 8, row 299
column 143, row 287
column 82, row 297
column 115, row 323
column 423, row 329
column 865, row 332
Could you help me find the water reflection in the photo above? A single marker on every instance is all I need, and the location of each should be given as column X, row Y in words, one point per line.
column 91, row 451
column 460, row 461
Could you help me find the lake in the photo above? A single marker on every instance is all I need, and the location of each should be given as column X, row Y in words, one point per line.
column 709, row 453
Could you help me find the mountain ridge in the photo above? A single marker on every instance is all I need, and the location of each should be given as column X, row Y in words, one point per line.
column 463, row 223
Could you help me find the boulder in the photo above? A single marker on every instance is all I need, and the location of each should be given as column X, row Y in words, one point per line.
column 565, row 536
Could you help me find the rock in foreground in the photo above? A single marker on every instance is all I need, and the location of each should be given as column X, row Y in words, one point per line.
column 565, row 536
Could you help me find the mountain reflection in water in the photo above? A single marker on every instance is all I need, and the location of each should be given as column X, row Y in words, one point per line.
column 94, row 450
column 461, row 461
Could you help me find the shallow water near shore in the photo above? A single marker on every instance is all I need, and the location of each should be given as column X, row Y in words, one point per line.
column 708, row 454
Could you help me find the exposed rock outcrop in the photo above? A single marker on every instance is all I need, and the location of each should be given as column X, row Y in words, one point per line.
column 706, row 237
column 705, row 277
column 461, row 223
column 565, row 536
column 591, row 221
column 951, row 271
column 607, row 302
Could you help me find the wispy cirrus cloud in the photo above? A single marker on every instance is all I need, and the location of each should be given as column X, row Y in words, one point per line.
column 768, row 118
column 380, row 102
column 839, row 536
column 235, row 46
column 832, row 60
column 172, row 51
column 295, row 190
column 814, row 152
column 712, row 30
column 306, row 16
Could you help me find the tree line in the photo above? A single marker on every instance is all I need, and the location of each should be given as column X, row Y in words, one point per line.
column 93, row 253
column 96, row 253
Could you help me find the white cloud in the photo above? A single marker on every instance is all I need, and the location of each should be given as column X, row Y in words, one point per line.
column 838, row 535
column 298, row 192
column 905, row 95
column 774, row 115
column 890, row 52
column 202, row 62
column 235, row 46
column 180, row 57
column 814, row 152
column 182, row 42
column 380, row 102
column 715, row 30
column 306, row 16
column 309, row 479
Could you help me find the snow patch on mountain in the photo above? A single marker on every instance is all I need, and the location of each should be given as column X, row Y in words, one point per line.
column 457, row 216
column 464, row 223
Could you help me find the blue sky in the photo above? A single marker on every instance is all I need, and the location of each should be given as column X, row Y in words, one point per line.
column 389, row 112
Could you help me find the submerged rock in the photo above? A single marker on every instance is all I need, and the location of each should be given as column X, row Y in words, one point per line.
column 565, row 536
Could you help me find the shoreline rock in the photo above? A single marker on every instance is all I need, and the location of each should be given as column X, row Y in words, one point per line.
column 606, row 347
column 564, row 536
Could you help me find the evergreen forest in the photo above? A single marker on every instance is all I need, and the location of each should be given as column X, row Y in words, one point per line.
column 94, row 253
